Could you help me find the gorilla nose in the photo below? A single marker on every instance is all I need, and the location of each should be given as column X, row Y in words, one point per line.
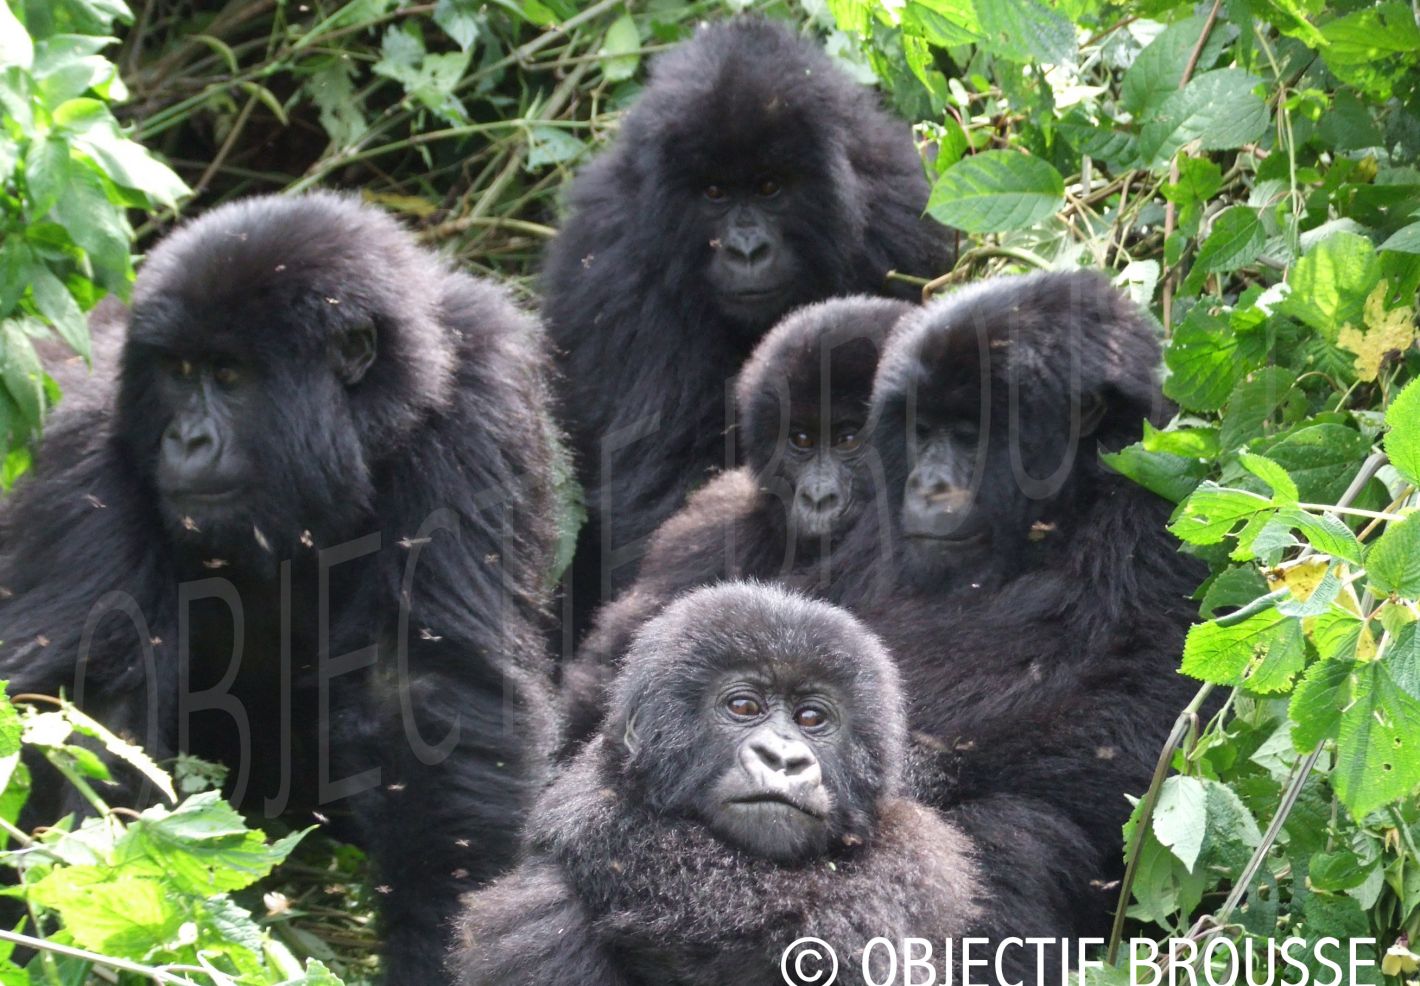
column 933, row 507
column 746, row 247
column 789, row 757
column 189, row 442
column 819, row 501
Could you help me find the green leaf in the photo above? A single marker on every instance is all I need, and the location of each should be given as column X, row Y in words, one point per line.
column 16, row 47
column 1393, row 561
column 1217, row 109
column 1316, row 704
column 1172, row 477
column 1326, row 533
column 58, row 306
column 1263, row 652
column 22, row 373
column 1026, row 31
column 1236, row 240
column 130, row 165
column 621, row 50
column 1158, row 69
column 1378, row 745
column 1203, row 362
column 1404, row 240
column 1180, row 818
column 1330, row 283
column 1212, row 512
column 1372, row 48
column 1322, row 458
column 1253, row 403
column 120, row 915
column 1402, row 441
column 995, row 191
column 460, row 20
column 1284, row 491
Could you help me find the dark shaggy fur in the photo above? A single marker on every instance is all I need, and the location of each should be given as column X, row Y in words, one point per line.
column 646, row 352
column 621, row 886
column 1042, row 677
column 437, row 459
column 816, row 366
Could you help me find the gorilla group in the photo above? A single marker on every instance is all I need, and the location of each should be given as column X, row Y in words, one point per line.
column 303, row 527
column 302, row 520
column 751, row 176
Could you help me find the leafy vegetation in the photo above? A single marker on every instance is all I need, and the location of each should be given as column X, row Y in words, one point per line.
column 1247, row 171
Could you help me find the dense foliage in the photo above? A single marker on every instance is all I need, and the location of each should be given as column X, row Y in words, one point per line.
column 1247, row 169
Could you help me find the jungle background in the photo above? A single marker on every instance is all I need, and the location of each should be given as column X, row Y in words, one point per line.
column 1246, row 169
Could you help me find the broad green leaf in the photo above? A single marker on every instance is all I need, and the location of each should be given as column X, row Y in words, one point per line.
column 1402, row 441
column 1026, row 31
column 461, row 20
column 1263, row 652
column 16, row 48
column 1372, row 48
column 1180, row 818
column 995, row 191
column 1230, row 589
column 1331, row 282
column 1253, row 403
column 1404, row 240
column 1284, row 491
column 1236, row 240
column 1322, row 458
column 1378, row 744
column 1158, row 69
column 1219, row 110
column 57, row 305
column 621, row 50
column 1212, row 512
column 1203, row 362
column 1326, row 533
column 1393, row 561
column 1315, row 707
column 117, row 915
column 131, row 165
column 1402, row 659
column 1172, row 477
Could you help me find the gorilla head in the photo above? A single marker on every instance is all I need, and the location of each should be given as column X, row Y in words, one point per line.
column 743, row 141
column 803, row 401
column 774, row 721
column 247, row 327
column 990, row 408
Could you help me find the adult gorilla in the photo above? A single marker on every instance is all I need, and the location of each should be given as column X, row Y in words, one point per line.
column 751, row 176
column 802, row 401
column 304, row 529
column 1033, row 598
column 743, row 794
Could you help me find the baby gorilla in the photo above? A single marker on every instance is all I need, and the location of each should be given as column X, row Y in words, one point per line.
column 744, row 793
column 803, row 401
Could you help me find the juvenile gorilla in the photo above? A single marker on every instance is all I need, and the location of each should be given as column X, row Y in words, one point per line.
column 802, row 402
column 751, row 176
column 303, row 528
column 743, row 794
column 1032, row 597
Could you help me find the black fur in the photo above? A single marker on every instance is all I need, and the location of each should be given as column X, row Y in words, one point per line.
column 647, row 354
column 816, row 364
column 1042, row 677
column 623, row 886
column 445, row 427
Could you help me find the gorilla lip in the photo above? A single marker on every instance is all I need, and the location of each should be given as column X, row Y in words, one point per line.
column 773, row 798
column 948, row 539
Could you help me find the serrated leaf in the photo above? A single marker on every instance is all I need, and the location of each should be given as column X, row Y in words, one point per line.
column 1402, row 441
column 1315, row 707
column 1219, row 110
column 1393, row 561
column 1212, row 512
column 1322, row 458
column 1331, row 282
column 460, row 20
column 1172, row 477
column 1262, row 652
column 1378, row 744
column 1235, row 240
column 1158, row 69
column 1202, row 360
column 995, row 191
column 116, row 915
column 1326, row 533
column 1284, row 491
column 1387, row 332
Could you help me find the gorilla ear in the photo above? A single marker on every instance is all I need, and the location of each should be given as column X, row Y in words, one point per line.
column 1092, row 408
column 353, row 353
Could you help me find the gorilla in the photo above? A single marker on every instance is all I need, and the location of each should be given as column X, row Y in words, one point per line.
column 802, row 401
column 744, row 793
column 304, row 527
column 750, row 177
column 1033, row 599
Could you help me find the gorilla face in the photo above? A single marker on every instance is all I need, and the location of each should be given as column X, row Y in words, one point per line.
column 770, row 798
column 821, row 465
column 773, row 720
column 753, row 266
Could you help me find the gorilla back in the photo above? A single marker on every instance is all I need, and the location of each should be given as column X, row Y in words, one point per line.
column 303, row 527
column 751, row 176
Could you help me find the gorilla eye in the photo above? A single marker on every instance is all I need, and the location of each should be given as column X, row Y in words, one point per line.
column 810, row 717
column 714, row 193
column 743, row 707
column 768, row 188
column 227, row 375
column 801, row 440
column 966, row 434
column 847, row 440
column 178, row 367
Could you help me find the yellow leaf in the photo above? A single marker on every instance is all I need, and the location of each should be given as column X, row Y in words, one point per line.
column 1386, row 332
column 1301, row 578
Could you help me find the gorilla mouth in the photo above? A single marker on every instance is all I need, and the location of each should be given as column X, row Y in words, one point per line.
column 951, row 540
column 777, row 799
